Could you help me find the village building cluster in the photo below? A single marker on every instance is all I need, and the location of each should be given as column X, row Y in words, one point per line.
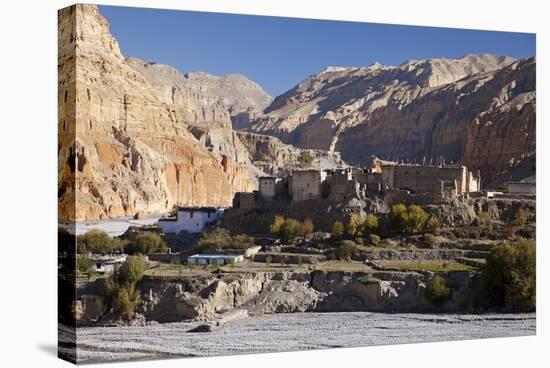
column 391, row 180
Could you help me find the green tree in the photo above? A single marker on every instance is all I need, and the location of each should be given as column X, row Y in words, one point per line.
column 291, row 230
column 242, row 241
column 277, row 225
column 374, row 239
column 432, row 225
column 371, row 223
column 405, row 219
column 416, row 218
column 217, row 239
column 147, row 243
column 306, row 159
column 125, row 301
column 345, row 250
column 119, row 291
column 85, row 265
column 437, row 290
column 95, row 241
column 308, row 227
column 355, row 225
column 337, row 230
column 131, row 271
column 398, row 217
column 508, row 277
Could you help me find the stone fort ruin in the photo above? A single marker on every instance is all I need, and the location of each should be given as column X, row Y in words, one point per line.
column 392, row 181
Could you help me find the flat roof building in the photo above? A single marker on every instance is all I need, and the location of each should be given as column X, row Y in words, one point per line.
column 191, row 219
column 217, row 259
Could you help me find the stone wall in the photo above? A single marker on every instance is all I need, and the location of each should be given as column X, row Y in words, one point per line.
column 423, row 179
column 341, row 187
column 304, row 184
column 267, row 186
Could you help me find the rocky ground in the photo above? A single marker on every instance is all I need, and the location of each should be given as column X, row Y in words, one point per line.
column 288, row 332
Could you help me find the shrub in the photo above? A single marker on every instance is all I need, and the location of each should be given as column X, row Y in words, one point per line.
column 242, row 241
column 484, row 218
column 416, row 218
column 291, row 230
column 277, row 225
column 125, row 302
column 85, row 265
column 428, row 238
column 95, row 241
column 374, row 239
column 358, row 241
column 509, row 233
column 371, row 223
column 412, row 219
column 355, row 225
column 432, row 225
column 216, row 239
column 398, row 217
column 437, row 290
column 119, row 291
column 337, row 229
column 521, row 217
column 508, row 277
column 308, row 227
column 119, row 244
column 305, row 159
column 345, row 250
column 146, row 243
column 131, row 271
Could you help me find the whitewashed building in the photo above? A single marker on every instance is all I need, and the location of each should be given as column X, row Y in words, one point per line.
column 107, row 264
column 191, row 219
column 218, row 259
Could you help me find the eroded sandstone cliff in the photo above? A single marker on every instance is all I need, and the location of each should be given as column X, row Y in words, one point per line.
column 125, row 144
column 274, row 157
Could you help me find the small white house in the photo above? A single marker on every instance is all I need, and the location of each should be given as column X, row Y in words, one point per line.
column 219, row 259
column 191, row 219
column 107, row 264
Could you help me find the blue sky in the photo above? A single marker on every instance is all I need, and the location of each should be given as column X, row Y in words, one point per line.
column 277, row 53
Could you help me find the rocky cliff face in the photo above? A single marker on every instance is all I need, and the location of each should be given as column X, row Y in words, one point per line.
column 203, row 98
column 274, row 157
column 290, row 292
column 125, row 143
column 478, row 110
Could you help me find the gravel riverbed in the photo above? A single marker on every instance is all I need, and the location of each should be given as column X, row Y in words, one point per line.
column 288, row 332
